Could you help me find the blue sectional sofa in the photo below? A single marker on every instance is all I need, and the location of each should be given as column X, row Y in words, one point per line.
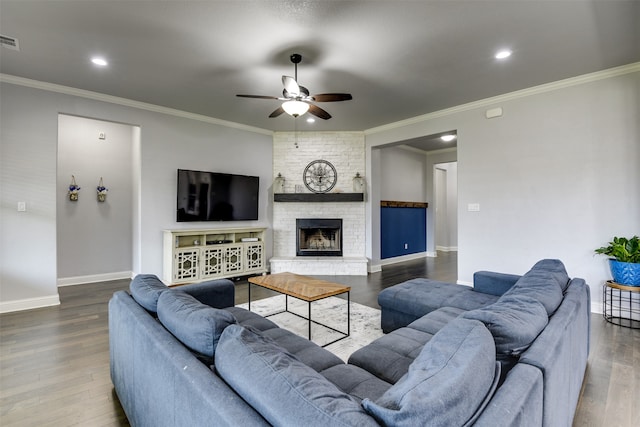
column 186, row 357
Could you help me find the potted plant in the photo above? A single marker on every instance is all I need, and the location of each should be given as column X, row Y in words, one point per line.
column 624, row 259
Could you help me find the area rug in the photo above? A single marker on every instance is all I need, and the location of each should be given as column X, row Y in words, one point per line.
column 332, row 311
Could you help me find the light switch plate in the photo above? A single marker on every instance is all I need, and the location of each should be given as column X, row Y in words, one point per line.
column 473, row 207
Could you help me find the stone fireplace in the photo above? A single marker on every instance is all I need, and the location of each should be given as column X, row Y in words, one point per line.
column 326, row 253
column 318, row 237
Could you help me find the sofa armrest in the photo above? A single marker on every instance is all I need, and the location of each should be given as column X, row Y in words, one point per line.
column 219, row 293
column 490, row 282
column 517, row 402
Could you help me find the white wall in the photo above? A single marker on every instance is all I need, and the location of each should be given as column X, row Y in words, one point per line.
column 94, row 238
column 403, row 175
column 555, row 177
column 168, row 142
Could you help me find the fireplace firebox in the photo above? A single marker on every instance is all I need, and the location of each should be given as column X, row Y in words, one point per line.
column 318, row 237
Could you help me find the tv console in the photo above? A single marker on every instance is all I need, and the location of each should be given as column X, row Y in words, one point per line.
column 205, row 254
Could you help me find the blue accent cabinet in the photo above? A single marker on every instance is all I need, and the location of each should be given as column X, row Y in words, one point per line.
column 403, row 231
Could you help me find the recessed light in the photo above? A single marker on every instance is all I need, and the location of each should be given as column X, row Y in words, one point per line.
column 448, row 138
column 311, row 120
column 101, row 62
column 504, row 53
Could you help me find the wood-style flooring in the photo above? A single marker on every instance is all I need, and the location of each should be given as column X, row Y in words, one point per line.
column 54, row 362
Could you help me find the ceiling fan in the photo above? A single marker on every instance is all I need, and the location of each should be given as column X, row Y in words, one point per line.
column 297, row 100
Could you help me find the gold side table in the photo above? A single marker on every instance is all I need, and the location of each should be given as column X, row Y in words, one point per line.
column 621, row 304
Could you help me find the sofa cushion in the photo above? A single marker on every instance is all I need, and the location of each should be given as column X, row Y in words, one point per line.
column 540, row 285
column 195, row 324
column 308, row 352
column 389, row 356
column 514, row 321
column 280, row 387
column 146, row 289
column 356, row 382
column 449, row 382
column 557, row 270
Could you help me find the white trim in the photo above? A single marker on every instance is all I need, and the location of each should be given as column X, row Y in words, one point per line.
column 93, row 278
column 402, row 258
column 596, row 307
column 51, row 87
column 465, row 283
column 547, row 87
column 29, row 303
column 447, row 248
column 375, row 268
column 432, row 254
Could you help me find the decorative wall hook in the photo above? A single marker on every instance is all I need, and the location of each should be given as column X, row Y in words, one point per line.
column 74, row 189
column 102, row 191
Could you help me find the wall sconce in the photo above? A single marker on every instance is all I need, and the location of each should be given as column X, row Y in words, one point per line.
column 358, row 183
column 278, row 184
column 74, row 189
column 102, row 191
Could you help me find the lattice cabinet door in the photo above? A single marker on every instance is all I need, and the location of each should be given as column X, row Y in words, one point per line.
column 254, row 253
column 233, row 259
column 185, row 266
column 212, row 261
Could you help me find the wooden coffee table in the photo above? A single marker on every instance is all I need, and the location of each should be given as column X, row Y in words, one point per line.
column 307, row 289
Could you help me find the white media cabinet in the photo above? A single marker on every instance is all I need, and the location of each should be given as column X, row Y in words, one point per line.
column 198, row 255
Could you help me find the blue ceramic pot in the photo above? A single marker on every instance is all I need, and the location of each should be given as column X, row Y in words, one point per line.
column 625, row 273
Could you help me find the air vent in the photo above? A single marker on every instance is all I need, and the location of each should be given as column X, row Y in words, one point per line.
column 9, row 42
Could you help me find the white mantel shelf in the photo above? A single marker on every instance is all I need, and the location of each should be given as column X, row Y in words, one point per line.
column 318, row 197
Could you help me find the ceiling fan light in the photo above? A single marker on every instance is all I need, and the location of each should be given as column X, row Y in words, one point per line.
column 295, row 108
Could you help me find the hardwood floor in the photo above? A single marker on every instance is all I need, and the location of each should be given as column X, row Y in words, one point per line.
column 54, row 362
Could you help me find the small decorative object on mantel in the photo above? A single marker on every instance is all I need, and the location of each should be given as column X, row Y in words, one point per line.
column 102, row 191
column 624, row 259
column 358, row 183
column 278, row 184
column 74, row 189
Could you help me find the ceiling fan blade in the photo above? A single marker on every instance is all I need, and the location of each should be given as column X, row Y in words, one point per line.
column 276, row 112
column 258, row 96
column 291, row 86
column 319, row 112
column 332, row 97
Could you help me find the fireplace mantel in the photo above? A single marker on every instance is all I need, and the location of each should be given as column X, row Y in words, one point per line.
column 318, row 197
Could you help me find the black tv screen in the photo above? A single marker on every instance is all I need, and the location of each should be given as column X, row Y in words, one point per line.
column 212, row 196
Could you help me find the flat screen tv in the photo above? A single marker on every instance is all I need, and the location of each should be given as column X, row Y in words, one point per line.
column 212, row 196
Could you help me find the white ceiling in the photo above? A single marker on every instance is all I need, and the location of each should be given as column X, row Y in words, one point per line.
column 399, row 59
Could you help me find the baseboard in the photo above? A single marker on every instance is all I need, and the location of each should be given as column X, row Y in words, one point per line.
column 596, row 307
column 402, row 258
column 93, row 278
column 29, row 303
column 447, row 248
column 375, row 268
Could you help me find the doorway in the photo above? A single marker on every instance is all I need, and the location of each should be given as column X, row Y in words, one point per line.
column 445, row 178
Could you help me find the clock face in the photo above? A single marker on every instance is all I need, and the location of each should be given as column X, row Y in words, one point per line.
column 320, row 176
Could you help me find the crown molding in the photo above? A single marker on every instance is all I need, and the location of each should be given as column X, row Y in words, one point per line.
column 96, row 96
column 535, row 90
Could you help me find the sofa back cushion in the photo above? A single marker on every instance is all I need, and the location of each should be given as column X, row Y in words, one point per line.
column 514, row 322
column 146, row 289
column 556, row 269
column 448, row 384
column 195, row 324
column 280, row 387
column 540, row 285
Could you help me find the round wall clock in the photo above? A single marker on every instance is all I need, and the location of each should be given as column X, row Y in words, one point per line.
column 320, row 176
